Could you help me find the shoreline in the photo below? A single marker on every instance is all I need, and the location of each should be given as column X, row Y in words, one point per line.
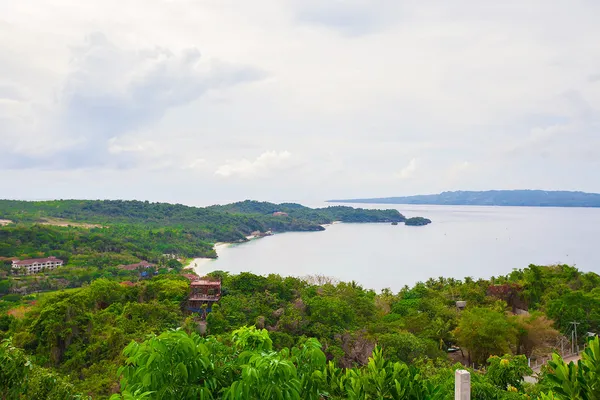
column 333, row 223
column 196, row 263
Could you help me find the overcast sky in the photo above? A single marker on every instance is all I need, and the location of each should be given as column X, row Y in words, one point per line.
column 204, row 101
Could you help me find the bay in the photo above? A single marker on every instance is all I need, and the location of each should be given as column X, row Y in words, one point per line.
column 474, row 241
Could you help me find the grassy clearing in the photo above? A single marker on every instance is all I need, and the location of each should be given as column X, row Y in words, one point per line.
column 66, row 223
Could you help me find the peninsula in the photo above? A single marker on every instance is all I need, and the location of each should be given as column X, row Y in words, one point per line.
column 523, row 198
column 128, row 232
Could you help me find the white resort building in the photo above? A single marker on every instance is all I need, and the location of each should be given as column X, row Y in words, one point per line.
column 36, row 265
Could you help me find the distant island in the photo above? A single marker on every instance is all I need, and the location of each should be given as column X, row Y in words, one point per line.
column 417, row 221
column 524, row 198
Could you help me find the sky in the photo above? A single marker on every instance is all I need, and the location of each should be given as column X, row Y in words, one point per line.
column 211, row 101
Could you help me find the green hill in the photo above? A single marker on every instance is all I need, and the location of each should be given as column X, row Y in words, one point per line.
column 129, row 230
column 526, row 198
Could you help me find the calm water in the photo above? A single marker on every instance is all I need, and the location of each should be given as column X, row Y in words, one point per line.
column 461, row 241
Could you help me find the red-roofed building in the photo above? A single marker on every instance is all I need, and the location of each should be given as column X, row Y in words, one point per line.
column 35, row 265
column 133, row 267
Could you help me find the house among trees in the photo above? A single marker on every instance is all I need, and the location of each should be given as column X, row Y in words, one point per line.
column 133, row 267
column 142, row 266
column 35, row 265
column 204, row 293
column 280, row 214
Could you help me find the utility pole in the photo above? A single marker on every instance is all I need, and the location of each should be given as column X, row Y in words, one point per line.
column 574, row 346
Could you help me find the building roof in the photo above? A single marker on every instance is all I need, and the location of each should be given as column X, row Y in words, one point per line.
column 133, row 267
column 35, row 260
column 205, row 282
column 191, row 277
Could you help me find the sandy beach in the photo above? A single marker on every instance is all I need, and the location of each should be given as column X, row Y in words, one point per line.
column 333, row 223
column 199, row 265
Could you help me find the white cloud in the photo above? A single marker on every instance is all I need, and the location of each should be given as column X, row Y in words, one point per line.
column 197, row 163
column 126, row 145
column 265, row 164
column 350, row 17
column 10, row 91
column 408, row 170
column 164, row 91
column 110, row 92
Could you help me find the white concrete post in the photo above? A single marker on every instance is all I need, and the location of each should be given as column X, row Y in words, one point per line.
column 462, row 385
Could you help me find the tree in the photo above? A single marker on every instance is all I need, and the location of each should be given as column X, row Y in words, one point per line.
column 507, row 371
column 4, row 286
column 173, row 365
column 534, row 332
column 383, row 379
column 329, row 314
column 402, row 346
column 248, row 338
column 484, row 333
column 576, row 306
column 20, row 378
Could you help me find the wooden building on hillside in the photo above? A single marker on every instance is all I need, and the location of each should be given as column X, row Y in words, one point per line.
column 204, row 292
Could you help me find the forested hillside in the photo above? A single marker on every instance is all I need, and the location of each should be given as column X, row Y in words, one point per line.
column 114, row 230
column 321, row 339
column 91, row 329
column 241, row 216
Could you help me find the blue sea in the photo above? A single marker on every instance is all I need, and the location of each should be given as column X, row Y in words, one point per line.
column 462, row 241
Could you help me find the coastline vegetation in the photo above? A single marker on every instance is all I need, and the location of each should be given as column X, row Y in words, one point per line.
column 417, row 221
column 316, row 335
column 93, row 330
column 107, row 233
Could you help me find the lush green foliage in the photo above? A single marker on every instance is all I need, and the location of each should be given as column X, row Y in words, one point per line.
column 127, row 231
column 579, row 380
column 82, row 331
column 215, row 221
column 508, row 371
column 20, row 378
column 100, row 247
column 417, row 221
column 485, row 332
column 78, row 335
column 176, row 365
column 315, row 338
